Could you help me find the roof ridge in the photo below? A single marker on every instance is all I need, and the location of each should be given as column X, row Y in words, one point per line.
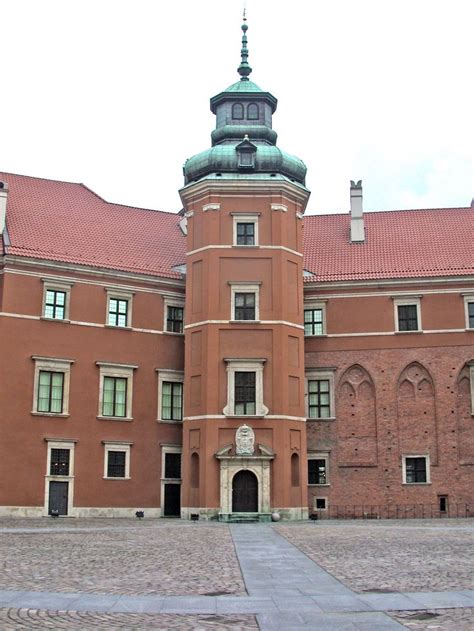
column 395, row 210
column 46, row 179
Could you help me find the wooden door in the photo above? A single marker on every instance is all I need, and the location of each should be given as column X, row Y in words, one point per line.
column 245, row 492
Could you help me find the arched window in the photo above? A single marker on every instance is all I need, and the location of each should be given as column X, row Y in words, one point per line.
column 252, row 112
column 194, row 470
column 237, row 111
column 295, row 470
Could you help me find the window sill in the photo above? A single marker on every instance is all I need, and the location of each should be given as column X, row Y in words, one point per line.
column 115, row 326
column 114, row 418
column 328, row 418
column 416, row 483
column 116, row 478
column 244, row 321
column 171, row 421
column 245, row 415
column 319, row 485
column 173, row 333
column 408, row 332
column 236, row 245
column 317, row 335
column 66, row 320
column 51, row 414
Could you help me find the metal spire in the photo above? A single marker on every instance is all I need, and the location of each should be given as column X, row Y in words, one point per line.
column 244, row 69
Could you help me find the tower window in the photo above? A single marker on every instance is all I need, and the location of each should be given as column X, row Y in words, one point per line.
column 244, row 306
column 246, row 233
column 237, row 111
column 252, row 112
column 245, row 393
column 247, row 159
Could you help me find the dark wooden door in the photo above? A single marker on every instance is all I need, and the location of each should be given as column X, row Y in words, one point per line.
column 172, row 506
column 245, row 492
column 58, row 496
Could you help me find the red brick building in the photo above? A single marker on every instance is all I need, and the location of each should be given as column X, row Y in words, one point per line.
column 236, row 357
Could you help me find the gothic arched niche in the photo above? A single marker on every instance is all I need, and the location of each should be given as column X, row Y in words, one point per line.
column 465, row 426
column 416, row 411
column 356, row 418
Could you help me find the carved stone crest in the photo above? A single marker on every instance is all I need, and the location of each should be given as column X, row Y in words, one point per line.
column 244, row 441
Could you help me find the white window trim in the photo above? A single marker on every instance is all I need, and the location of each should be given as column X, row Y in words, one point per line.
column 245, row 218
column 308, row 305
column 404, row 469
column 320, row 456
column 400, row 302
column 316, row 374
column 116, row 370
column 245, row 365
column 250, row 287
column 176, row 376
column 117, row 446
column 119, row 294
column 172, row 302
column 52, row 364
column 468, row 299
column 57, row 443
column 59, row 285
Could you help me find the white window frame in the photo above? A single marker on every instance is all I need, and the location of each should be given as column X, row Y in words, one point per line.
column 56, row 285
column 175, row 376
column 316, row 304
column 245, row 365
column 108, row 369
column 405, row 302
column 320, row 456
column 250, row 287
column 404, row 469
column 52, row 364
column 172, row 302
column 58, row 443
column 468, row 299
column 326, row 504
column 245, row 218
column 117, row 446
column 316, row 374
column 114, row 293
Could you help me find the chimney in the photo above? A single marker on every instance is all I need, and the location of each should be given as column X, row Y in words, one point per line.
column 357, row 216
column 3, row 204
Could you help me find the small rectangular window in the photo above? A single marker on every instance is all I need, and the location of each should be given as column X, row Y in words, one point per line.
column 320, row 503
column 244, row 306
column 245, row 393
column 116, row 464
column 317, row 471
column 118, row 312
column 416, row 470
column 55, row 304
column 175, row 319
column 172, row 401
column 50, row 391
column 59, row 462
column 114, row 402
column 246, row 233
column 407, row 317
column 319, row 398
column 443, row 503
column 313, row 322
column 470, row 314
column 172, row 466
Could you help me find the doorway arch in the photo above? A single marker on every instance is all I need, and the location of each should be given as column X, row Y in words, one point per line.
column 245, row 492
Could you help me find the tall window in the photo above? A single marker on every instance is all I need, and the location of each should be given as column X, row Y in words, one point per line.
column 116, row 464
column 317, row 471
column 172, row 465
column 245, row 233
column 313, row 322
column 175, row 319
column 244, row 393
column 114, row 402
column 416, row 470
column 319, row 399
column 59, row 462
column 55, row 304
column 407, row 317
column 244, row 306
column 172, row 401
column 237, row 111
column 50, row 391
column 470, row 314
column 118, row 312
column 252, row 111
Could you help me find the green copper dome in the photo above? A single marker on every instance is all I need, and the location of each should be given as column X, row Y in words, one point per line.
column 243, row 142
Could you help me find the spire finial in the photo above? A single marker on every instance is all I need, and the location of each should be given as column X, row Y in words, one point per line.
column 244, row 69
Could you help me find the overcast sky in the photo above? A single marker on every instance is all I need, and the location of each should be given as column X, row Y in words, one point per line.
column 115, row 93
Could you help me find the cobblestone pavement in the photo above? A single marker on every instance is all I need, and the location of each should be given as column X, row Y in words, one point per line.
column 436, row 619
column 390, row 556
column 11, row 619
column 122, row 557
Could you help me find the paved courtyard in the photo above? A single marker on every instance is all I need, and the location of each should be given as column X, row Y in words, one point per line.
column 164, row 574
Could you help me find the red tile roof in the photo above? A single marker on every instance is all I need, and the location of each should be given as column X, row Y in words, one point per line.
column 62, row 221
column 398, row 244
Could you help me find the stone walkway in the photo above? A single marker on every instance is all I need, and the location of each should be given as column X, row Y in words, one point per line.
column 286, row 590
